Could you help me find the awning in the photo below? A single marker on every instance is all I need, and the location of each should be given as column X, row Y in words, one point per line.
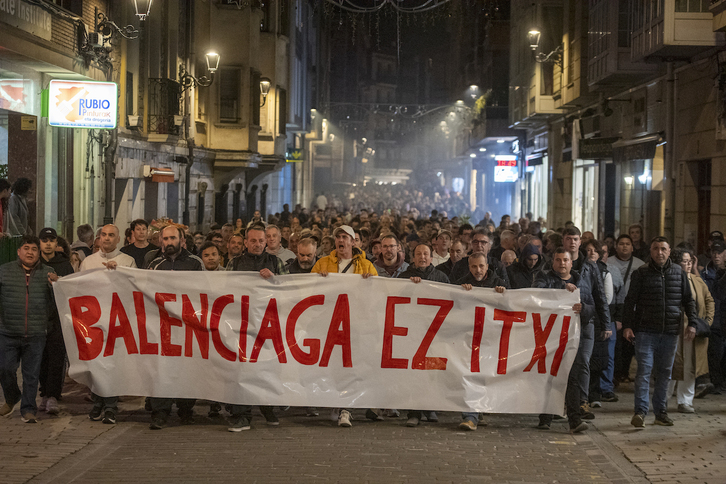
column 636, row 149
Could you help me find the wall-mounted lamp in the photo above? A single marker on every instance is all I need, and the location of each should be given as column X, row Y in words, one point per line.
column 265, row 85
column 533, row 37
column 187, row 80
column 143, row 7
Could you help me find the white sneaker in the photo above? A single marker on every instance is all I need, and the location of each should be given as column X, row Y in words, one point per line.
column 52, row 406
column 344, row 419
column 43, row 404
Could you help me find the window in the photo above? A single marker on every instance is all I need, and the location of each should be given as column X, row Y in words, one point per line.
column 255, row 98
column 265, row 24
column 284, row 17
column 281, row 110
column 229, row 94
column 624, row 27
column 75, row 6
column 129, row 93
column 692, row 6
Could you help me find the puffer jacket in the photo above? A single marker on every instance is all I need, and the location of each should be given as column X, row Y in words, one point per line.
column 428, row 274
column 521, row 276
column 592, row 293
column 655, row 299
column 361, row 265
column 26, row 304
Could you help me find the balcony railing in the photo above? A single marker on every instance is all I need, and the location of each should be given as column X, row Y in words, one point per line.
column 164, row 102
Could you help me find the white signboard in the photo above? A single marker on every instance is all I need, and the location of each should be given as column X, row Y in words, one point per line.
column 83, row 104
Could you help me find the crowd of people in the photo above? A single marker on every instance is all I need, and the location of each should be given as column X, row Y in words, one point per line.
column 648, row 302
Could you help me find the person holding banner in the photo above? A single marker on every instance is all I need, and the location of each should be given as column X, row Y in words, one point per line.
column 480, row 242
column 109, row 256
column 659, row 294
column 561, row 276
column 422, row 270
column 175, row 258
column 345, row 259
column 254, row 259
column 480, row 275
column 306, row 257
column 26, row 302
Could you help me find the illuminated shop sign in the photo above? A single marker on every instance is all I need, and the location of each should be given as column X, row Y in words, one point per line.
column 506, row 169
column 82, row 104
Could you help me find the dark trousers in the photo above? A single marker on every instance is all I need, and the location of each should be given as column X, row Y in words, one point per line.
column 238, row 411
column 716, row 360
column 26, row 352
column 578, row 381
column 107, row 403
column 53, row 365
column 624, row 353
column 161, row 407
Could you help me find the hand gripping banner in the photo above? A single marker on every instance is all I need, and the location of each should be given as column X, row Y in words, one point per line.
column 307, row 340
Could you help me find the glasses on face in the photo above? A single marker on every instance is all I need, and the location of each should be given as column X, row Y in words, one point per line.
column 480, row 242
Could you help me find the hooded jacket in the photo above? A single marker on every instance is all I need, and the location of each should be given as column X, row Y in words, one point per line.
column 390, row 271
column 26, row 303
column 521, row 276
column 361, row 265
column 430, row 273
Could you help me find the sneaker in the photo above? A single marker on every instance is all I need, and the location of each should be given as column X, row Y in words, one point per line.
column 312, row 412
column 558, row 417
column 157, row 423
column 28, row 418
column 467, row 425
column 52, row 406
column 374, row 415
column 43, row 404
column 272, row 420
column 663, row 419
column 7, row 409
column 239, row 425
column 393, row 413
column 685, row 408
column 109, row 417
column 431, row 416
column 609, row 397
column 344, row 419
column 703, row 389
column 585, row 413
column 577, row 428
column 96, row 414
column 214, row 410
column 638, row 421
column 543, row 425
column 412, row 422
column 596, row 404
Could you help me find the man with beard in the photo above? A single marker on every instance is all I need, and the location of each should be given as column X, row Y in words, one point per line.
column 235, row 247
column 480, row 242
column 52, row 367
column 390, row 262
column 274, row 246
column 422, row 270
column 175, row 258
column 523, row 272
column 306, row 257
column 254, row 259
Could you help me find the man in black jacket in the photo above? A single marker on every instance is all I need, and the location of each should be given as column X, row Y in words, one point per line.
column 254, row 259
column 52, row 367
column 175, row 258
column 561, row 276
column 659, row 293
column 523, row 272
column 480, row 242
column 456, row 252
column 306, row 257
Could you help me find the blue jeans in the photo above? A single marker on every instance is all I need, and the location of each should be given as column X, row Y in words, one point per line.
column 26, row 351
column 607, row 384
column 578, row 381
column 473, row 416
column 654, row 353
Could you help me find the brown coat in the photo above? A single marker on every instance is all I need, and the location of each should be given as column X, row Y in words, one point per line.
column 706, row 308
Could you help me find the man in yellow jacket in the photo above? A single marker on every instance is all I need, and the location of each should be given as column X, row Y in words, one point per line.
column 345, row 258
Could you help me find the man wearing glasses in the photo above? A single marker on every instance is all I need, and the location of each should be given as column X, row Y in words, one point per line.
column 480, row 242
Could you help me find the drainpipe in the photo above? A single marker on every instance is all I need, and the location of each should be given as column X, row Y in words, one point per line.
column 670, row 162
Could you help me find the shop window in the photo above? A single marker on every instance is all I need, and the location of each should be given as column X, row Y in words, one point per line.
column 229, row 95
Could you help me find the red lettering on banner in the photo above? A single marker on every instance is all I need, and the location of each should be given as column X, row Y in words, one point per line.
column 195, row 326
column 166, row 321
column 244, row 323
column 564, row 336
column 314, row 344
column 540, row 340
column 420, row 361
column 120, row 330
column 476, row 338
column 144, row 345
column 339, row 333
column 270, row 329
column 390, row 330
column 219, row 304
column 508, row 318
column 85, row 312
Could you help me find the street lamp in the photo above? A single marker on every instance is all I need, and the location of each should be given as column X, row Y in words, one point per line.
column 187, row 80
column 143, row 7
column 265, row 84
column 533, row 37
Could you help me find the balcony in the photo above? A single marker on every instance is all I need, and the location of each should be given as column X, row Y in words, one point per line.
column 718, row 9
column 164, row 101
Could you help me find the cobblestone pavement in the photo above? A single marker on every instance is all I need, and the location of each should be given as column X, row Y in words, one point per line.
column 71, row 448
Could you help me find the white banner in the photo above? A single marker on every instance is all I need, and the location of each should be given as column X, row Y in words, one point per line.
column 305, row 340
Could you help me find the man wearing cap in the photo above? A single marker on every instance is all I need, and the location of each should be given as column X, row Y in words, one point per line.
column 441, row 248
column 713, row 276
column 345, row 259
column 705, row 258
column 52, row 367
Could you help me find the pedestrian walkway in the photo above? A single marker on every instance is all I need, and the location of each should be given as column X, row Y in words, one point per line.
column 71, row 448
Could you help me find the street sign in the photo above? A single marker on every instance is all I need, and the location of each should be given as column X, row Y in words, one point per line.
column 296, row 155
column 82, row 104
